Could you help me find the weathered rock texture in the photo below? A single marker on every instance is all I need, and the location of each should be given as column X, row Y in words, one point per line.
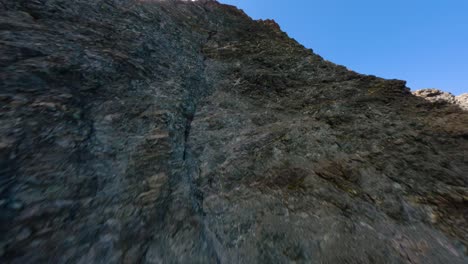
column 185, row 132
column 441, row 97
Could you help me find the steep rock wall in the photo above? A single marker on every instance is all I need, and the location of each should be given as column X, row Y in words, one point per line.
column 185, row 132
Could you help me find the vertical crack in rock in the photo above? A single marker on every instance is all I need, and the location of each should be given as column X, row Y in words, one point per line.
column 187, row 133
column 185, row 198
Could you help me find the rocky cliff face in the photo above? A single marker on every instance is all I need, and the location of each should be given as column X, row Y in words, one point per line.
column 185, row 132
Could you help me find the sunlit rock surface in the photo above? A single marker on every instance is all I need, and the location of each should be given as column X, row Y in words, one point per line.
column 441, row 97
column 186, row 132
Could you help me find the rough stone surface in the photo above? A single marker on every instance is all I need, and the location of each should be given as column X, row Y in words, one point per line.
column 462, row 101
column 185, row 132
column 441, row 97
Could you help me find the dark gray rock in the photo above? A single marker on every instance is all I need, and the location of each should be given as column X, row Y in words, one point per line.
column 185, row 132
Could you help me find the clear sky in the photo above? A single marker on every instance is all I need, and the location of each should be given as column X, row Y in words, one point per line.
column 424, row 42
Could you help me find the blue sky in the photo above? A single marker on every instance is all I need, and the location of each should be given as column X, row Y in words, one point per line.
column 422, row 42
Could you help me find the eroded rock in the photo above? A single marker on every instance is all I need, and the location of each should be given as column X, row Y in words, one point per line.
column 186, row 132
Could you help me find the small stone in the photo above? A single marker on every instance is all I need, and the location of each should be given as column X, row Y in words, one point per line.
column 76, row 115
column 4, row 97
column 111, row 117
column 66, row 96
column 6, row 143
column 16, row 205
column 48, row 105
column 433, row 217
column 24, row 234
column 160, row 135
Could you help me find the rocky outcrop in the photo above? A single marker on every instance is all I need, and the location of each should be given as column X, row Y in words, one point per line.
column 185, row 132
column 441, row 97
column 436, row 96
column 462, row 101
